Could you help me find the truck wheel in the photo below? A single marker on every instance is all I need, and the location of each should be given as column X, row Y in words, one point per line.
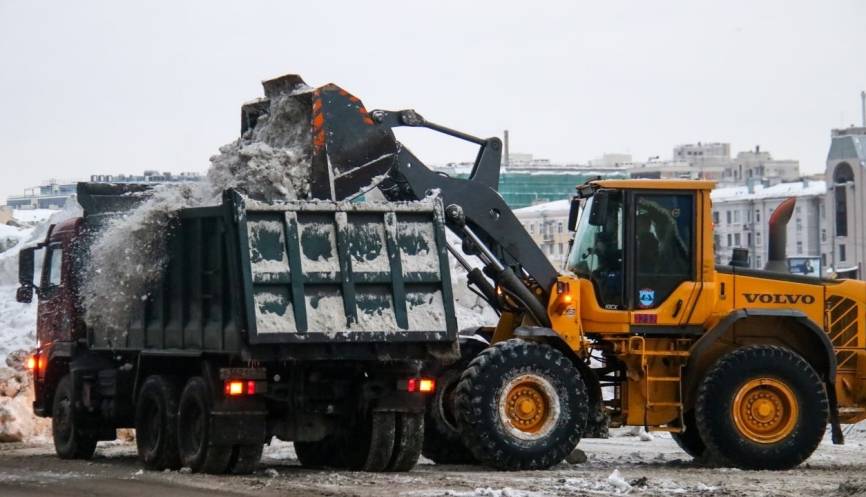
column 690, row 439
column 245, row 458
column 196, row 452
column 370, row 446
column 318, row 454
column 443, row 443
column 70, row 440
column 156, row 424
column 408, row 441
column 762, row 407
column 521, row 405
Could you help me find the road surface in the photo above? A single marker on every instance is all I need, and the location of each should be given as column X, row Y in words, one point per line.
column 654, row 467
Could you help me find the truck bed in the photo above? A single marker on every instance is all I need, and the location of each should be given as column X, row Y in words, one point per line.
column 247, row 276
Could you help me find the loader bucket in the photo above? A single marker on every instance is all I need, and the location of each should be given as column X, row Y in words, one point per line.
column 349, row 149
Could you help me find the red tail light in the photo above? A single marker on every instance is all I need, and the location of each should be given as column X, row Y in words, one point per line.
column 32, row 363
column 237, row 388
column 421, row 385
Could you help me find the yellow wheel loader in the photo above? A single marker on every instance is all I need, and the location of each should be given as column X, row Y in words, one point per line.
column 744, row 367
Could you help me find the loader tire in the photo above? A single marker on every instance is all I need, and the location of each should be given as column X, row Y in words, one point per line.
column 196, row 451
column 690, row 439
column 245, row 458
column 71, row 441
column 319, row 454
column 408, row 441
column 761, row 407
column 370, row 445
column 521, row 405
column 156, row 424
column 443, row 443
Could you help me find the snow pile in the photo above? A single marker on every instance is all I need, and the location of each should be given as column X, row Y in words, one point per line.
column 17, row 422
column 270, row 162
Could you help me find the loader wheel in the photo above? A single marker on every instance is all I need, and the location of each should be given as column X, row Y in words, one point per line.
column 762, row 407
column 70, row 440
column 370, row 445
column 156, row 424
column 443, row 443
column 318, row 454
column 521, row 405
column 690, row 439
column 245, row 458
column 598, row 424
column 408, row 441
column 196, row 452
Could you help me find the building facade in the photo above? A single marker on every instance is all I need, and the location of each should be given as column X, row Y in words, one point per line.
column 741, row 220
column 845, row 202
column 548, row 225
column 713, row 161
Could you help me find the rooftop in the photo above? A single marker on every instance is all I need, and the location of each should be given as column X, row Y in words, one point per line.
column 781, row 190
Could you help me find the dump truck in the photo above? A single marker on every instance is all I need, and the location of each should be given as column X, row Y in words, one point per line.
column 307, row 321
column 744, row 367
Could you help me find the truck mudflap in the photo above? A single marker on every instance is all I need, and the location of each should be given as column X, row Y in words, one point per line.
column 344, row 272
column 230, row 428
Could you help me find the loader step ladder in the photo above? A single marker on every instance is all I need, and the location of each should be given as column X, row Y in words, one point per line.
column 637, row 345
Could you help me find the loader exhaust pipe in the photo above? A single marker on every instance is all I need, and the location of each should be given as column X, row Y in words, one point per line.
column 777, row 261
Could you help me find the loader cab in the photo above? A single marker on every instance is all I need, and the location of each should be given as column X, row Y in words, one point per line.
column 637, row 248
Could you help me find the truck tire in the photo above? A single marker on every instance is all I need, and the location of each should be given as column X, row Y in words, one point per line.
column 443, row 443
column 245, row 458
column 318, row 454
column 370, row 446
column 762, row 407
column 521, row 405
column 408, row 441
column 690, row 439
column 194, row 410
column 70, row 440
column 156, row 424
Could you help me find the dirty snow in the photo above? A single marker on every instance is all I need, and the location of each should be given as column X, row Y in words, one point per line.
column 270, row 162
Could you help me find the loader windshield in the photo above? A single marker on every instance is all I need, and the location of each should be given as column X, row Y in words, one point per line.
column 598, row 249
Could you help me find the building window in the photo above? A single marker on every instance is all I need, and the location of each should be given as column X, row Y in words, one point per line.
column 758, row 261
column 842, row 175
column 728, row 216
column 757, row 215
column 737, row 239
column 841, row 252
column 823, row 260
column 736, row 216
column 715, row 217
column 748, row 239
column 799, row 224
column 560, row 247
column 823, row 235
column 799, row 248
column 717, row 240
column 532, row 228
column 758, row 238
column 729, row 239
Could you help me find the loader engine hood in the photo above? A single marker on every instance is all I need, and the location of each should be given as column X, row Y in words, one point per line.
column 349, row 148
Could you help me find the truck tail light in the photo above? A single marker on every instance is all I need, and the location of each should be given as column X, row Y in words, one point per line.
column 32, row 363
column 420, row 385
column 237, row 388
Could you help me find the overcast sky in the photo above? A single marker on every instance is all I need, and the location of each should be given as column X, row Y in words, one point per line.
column 111, row 87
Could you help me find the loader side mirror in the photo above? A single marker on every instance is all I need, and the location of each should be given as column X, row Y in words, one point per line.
column 26, row 265
column 573, row 211
column 598, row 211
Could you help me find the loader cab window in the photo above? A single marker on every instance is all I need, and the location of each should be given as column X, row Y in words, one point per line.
column 664, row 255
column 597, row 252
